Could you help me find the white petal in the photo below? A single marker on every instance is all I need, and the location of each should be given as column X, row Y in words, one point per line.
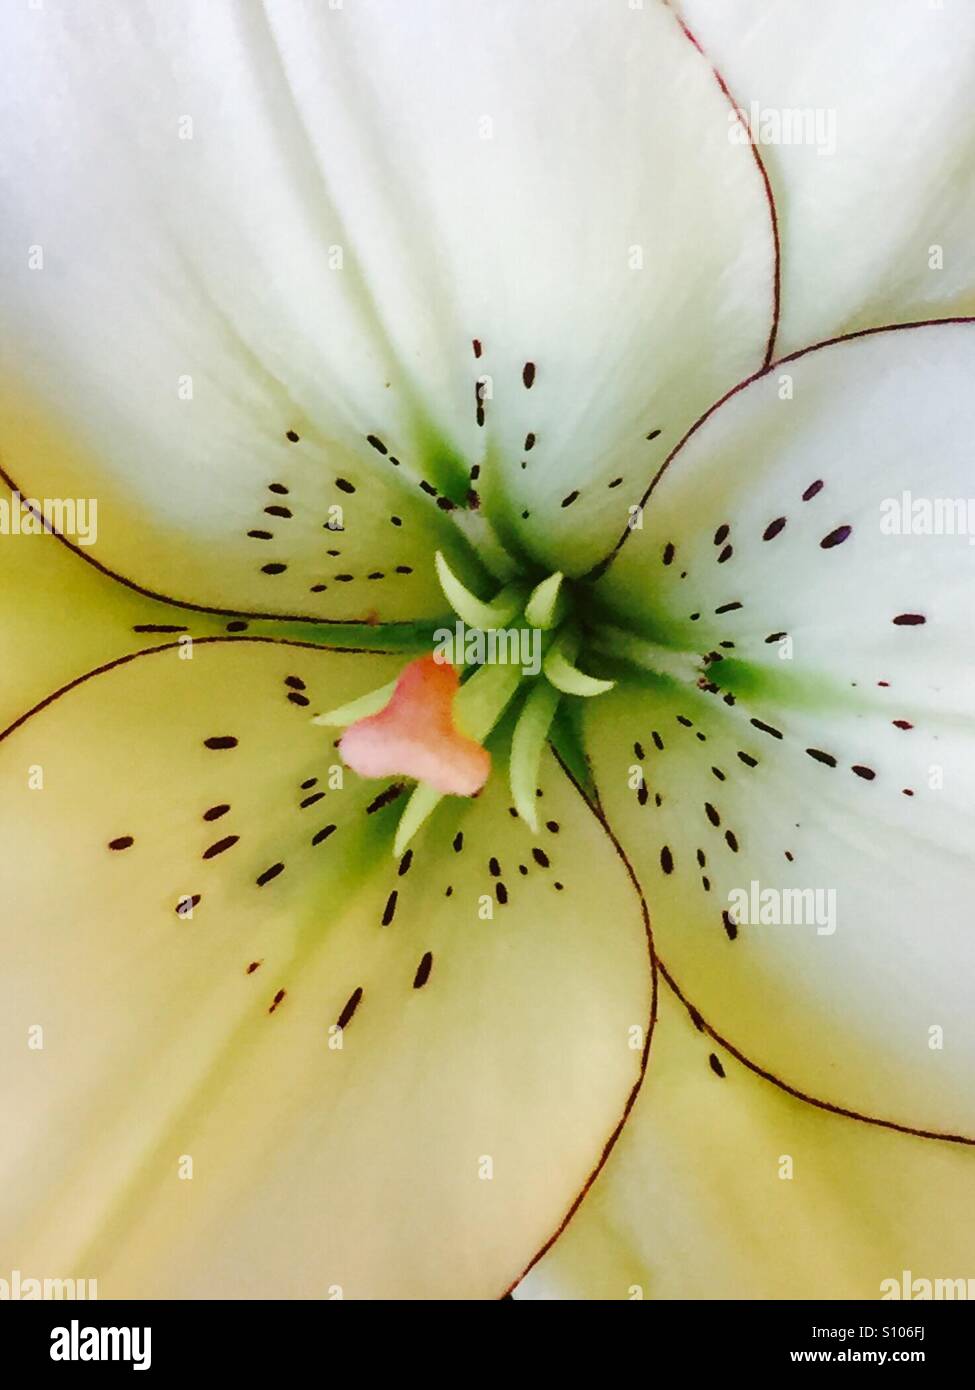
column 189, row 1127
column 846, row 765
column 483, row 172
column 877, row 208
column 46, row 642
column 725, row 1187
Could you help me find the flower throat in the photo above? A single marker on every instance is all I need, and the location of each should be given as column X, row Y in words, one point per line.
column 432, row 721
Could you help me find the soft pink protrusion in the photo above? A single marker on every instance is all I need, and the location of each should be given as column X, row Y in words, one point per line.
column 414, row 736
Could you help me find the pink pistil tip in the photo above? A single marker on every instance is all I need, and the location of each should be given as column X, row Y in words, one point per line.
column 415, row 736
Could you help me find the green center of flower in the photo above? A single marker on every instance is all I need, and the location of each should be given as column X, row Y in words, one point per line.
column 521, row 645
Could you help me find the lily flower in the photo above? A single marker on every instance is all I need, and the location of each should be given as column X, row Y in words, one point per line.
column 336, row 956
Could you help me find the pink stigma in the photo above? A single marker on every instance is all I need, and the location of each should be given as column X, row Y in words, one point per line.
column 414, row 736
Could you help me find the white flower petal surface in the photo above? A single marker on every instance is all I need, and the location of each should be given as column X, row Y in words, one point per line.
column 45, row 641
column 827, row 747
column 245, row 240
column 868, row 108
column 724, row 1187
column 196, row 914
column 190, row 338
column 60, row 618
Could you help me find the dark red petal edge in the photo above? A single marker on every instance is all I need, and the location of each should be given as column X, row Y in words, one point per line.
column 644, row 911
column 793, row 1090
column 766, row 1075
column 767, row 182
column 170, row 646
column 602, row 567
column 651, row 1024
column 181, row 603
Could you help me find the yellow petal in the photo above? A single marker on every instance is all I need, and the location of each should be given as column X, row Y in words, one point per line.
column 190, row 1126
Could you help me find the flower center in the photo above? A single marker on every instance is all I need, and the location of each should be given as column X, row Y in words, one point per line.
column 520, row 647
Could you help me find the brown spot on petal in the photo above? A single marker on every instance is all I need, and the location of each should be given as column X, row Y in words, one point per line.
column 268, row 874
column 219, row 846
column 423, row 971
column 352, row 1003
